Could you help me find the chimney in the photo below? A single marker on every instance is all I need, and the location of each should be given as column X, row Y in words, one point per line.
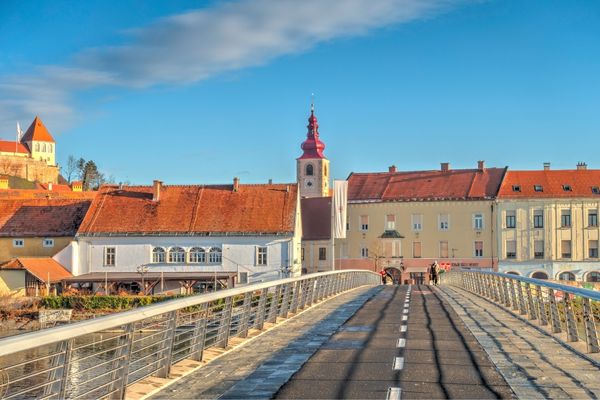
column 581, row 165
column 236, row 184
column 270, row 181
column 546, row 166
column 156, row 188
column 50, row 186
column 445, row 166
column 480, row 165
column 392, row 169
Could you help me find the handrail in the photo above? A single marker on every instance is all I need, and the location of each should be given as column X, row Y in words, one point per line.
column 71, row 360
column 557, row 307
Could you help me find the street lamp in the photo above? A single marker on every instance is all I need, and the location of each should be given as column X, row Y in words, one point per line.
column 142, row 269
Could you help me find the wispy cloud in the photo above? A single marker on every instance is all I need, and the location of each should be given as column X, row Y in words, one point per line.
column 198, row 44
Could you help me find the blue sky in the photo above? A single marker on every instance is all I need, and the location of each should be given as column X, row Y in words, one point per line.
column 199, row 92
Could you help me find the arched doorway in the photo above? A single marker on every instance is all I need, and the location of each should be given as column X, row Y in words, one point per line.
column 592, row 276
column 513, row 273
column 394, row 273
column 566, row 276
column 540, row 275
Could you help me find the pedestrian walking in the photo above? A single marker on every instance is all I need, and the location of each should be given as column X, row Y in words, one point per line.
column 434, row 272
column 383, row 277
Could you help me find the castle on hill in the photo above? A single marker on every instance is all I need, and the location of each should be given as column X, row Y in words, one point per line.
column 32, row 156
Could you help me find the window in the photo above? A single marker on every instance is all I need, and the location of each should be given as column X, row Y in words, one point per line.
column 593, row 276
column 197, row 255
column 566, row 276
column 479, row 248
column 565, row 218
column 110, row 256
column 595, row 190
column 538, row 218
column 347, row 225
column 158, row 255
column 565, row 248
column 18, row 242
column 364, row 222
column 176, row 255
column 538, row 249
column 416, row 249
column 593, row 249
column 50, row 147
column 511, row 219
column 214, row 255
column 364, row 252
column 261, row 256
column 302, row 254
column 444, row 222
column 309, row 170
column 37, row 147
column 48, row 243
column 511, row 249
column 390, row 222
column 516, row 188
column 539, row 275
column 443, row 249
column 478, row 222
column 593, row 218
column 538, row 188
column 322, row 253
column 567, row 188
column 417, row 222
column 242, row 278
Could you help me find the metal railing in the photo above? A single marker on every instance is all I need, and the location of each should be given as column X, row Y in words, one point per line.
column 559, row 308
column 99, row 358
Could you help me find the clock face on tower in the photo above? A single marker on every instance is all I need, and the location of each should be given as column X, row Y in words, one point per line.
column 308, row 183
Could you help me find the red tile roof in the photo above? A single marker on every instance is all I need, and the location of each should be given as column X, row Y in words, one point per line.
column 581, row 183
column 211, row 209
column 458, row 184
column 41, row 217
column 40, row 193
column 316, row 218
column 43, row 268
column 37, row 131
column 56, row 187
column 10, row 147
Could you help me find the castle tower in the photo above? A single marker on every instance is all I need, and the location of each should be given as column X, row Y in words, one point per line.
column 40, row 142
column 312, row 167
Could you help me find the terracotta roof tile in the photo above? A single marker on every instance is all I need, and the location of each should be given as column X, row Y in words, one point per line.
column 580, row 182
column 40, row 193
column 458, row 184
column 43, row 268
column 196, row 209
column 316, row 218
column 41, row 217
column 37, row 131
column 10, row 147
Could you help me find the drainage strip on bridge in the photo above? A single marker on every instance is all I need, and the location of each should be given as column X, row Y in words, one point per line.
column 395, row 393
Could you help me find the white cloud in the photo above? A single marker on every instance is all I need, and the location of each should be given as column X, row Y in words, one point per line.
column 198, row 44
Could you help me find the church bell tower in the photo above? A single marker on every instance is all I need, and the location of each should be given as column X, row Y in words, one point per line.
column 312, row 167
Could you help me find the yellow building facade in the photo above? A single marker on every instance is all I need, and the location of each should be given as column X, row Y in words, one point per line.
column 13, row 247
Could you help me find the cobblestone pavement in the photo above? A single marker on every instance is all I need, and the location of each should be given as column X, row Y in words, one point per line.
column 403, row 343
column 534, row 364
column 259, row 369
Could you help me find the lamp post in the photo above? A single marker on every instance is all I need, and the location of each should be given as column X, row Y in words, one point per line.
column 142, row 269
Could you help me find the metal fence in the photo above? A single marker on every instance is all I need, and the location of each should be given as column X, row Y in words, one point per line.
column 560, row 308
column 101, row 357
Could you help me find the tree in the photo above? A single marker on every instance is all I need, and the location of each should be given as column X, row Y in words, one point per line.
column 71, row 168
column 90, row 175
column 376, row 253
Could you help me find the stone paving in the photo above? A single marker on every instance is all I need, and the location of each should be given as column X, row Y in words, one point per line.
column 534, row 364
column 259, row 369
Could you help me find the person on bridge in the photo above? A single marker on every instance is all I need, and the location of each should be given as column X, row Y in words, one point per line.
column 434, row 273
column 383, row 277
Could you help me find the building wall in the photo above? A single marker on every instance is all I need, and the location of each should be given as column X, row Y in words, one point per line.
column 28, row 168
column 460, row 236
column 12, row 283
column 552, row 233
column 33, row 247
column 311, row 262
column 43, row 151
column 239, row 255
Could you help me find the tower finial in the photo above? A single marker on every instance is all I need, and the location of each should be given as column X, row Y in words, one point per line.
column 312, row 102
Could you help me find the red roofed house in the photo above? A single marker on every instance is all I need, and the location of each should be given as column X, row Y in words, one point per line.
column 31, row 276
column 404, row 221
column 548, row 223
column 184, row 236
column 32, row 156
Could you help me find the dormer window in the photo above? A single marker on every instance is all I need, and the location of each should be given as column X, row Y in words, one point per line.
column 595, row 190
column 538, row 188
column 516, row 188
column 567, row 188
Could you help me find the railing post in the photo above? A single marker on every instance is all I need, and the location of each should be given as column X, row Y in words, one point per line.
column 65, row 360
column 285, row 304
column 531, row 306
column 554, row 312
column 124, row 362
column 505, row 283
column 274, row 308
column 542, row 306
column 262, row 308
column 199, row 338
column 246, row 310
column 591, row 336
column 522, row 304
column 224, row 324
column 311, row 292
column 167, row 350
column 495, row 286
column 515, row 302
column 499, row 290
column 572, row 334
column 296, row 297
